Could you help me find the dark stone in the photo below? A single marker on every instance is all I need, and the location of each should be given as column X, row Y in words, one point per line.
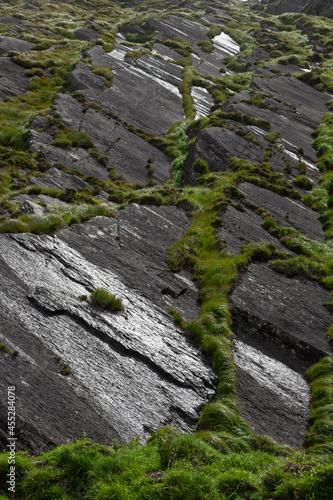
column 144, row 92
column 77, row 158
column 217, row 145
column 243, row 227
column 86, row 34
column 54, row 178
column 299, row 109
column 128, row 153
column 13, row 81
column 82, row 78
column 115, row 359
column 70, row 110
column 285, row 210
column 8, row 43
column 279, row 325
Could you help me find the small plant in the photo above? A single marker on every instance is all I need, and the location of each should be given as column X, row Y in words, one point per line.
column 106, row 300
column 302, row 181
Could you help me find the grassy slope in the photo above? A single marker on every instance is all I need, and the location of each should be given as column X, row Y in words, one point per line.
column 224, row 459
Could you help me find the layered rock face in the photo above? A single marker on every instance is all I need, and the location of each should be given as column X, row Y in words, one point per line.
column 313, row 7
column 110, row 140
column 131, row 372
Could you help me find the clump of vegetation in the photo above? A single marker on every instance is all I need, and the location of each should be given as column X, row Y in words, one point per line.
column 106, row 300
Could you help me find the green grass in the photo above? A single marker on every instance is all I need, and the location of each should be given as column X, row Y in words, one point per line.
column 106, row 300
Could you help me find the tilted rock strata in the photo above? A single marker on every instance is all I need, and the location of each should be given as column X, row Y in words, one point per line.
column 135, row 369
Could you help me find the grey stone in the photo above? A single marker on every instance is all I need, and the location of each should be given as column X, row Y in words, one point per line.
column 144, row 92
column 287, row 211
column 54, row 178
column 8, row 43
column 13, row 81
column 82, row 78
column 127, row 152
column 217, row 145
column 279, row 325
column 86, row 34
column 77, row 158
column 70, row 110
column 243, row 227
column 116, row 359
column 29, row 207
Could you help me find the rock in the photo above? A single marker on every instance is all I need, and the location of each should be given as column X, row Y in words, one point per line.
column 241, row 227
column 298, row 109
column 8, row 43
column 70, row 110
column 144, row 92
column 40, row 122
column 217, row 145
column 13, row 81
column 314, row 7
column 86, row 34
column 279, row 325
column 115, row 359
column 76, row 158
column 285, row 210
column 29, row 207
column 82, row 78
column 165, row 52
column 54, row 178
column 30, row 6
column 128, row 153
column 11, row 20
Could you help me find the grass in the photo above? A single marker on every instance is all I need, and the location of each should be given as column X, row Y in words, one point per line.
column 106, row 300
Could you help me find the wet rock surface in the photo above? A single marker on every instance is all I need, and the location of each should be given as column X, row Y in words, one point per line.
column 141, row 372
column 293, row 109
column 279, row 325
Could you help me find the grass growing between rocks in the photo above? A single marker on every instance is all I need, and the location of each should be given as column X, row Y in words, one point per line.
column 172, row 466
column 223, row 459
column 106, row 300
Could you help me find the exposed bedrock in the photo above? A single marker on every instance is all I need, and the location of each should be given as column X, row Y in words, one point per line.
column 144, row 91
column 293, row 109
column 279, row 323
column 314, row 7
column 130, row 372
column 125, row 151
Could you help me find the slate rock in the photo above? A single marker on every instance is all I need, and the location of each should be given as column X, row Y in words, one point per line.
column 144, row 92
column 217, row 145
column 13, row 81
column 300, row 109
column 76, row 158
column 243, row 227
column 8, row 43
column 116, row 359
column 11, row 20
column 55, row 178
column 127, row 152
column 70, row 110
column 279, row 325
column 29, row 207
column 82, row 78
column 40, row 122
column 165, row 52
column 287, row 211
column 288, row 311
column 86, row 34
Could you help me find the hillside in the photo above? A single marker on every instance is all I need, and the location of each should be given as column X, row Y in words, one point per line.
column 166, row 224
